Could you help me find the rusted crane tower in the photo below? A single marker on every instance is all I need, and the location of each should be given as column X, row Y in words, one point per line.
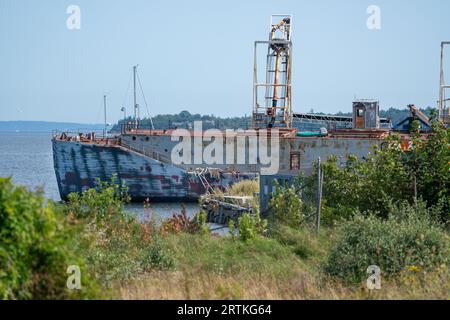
column 444, row 112
column 274, row 109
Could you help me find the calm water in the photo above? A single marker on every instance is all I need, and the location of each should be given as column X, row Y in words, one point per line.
column 28, row 159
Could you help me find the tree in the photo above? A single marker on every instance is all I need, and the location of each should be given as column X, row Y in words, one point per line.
column 390, row 174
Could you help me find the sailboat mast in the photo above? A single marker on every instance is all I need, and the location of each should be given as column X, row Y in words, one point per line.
column 104, row 110
column 135, row 102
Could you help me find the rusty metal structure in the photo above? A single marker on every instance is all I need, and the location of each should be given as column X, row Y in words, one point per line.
column 366, row 114
column 141, row 158
column 314, row 121
column 416, row 113
column 444, row 110
column 80, row 160
column 274, row 108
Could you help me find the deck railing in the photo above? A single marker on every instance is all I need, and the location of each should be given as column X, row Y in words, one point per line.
column 149, row 153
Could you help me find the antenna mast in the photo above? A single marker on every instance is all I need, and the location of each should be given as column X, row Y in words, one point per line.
column 104, row 110
column 444, row 115
column 136, row 106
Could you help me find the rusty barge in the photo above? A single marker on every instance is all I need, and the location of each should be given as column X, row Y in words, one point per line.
column 143, row 158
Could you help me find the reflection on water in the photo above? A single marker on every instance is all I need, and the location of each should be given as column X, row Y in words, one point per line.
column 162, row 211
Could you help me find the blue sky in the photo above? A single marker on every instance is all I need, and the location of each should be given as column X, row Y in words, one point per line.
column 197, row 55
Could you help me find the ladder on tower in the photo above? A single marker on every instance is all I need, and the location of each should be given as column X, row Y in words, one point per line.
column 272, row 98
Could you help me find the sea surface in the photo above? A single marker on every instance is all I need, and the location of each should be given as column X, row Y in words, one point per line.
column 27, row 157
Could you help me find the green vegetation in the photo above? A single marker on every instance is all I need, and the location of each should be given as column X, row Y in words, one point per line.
column 390, row 210
column 286, row 265
column 250, row 227
column 185, row 119
column 287, row 206
column 388, row 176
column 117, row 247
column 244, row 188
column 39, row 240
column 97, row 204
column 37, row 244
column 407, row 239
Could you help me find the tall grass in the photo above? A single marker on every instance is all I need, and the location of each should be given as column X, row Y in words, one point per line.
column 216, row 268
column 244, row 188
column 122, row 258
column 301, row 285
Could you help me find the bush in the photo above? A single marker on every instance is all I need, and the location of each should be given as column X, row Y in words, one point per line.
column 407, row 238
column 97, row 203
column 429, row 162
column 250, row 226
column 117, row 247
column 286, row 206
column 182, row 223
column 123, row 249
column 37, row 244
column 388, row 174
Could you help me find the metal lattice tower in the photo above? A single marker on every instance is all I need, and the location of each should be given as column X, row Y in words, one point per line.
column 275, row 110
column 444, row 112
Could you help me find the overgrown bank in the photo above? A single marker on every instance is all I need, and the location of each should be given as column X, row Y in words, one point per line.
column 378, row 211
column 120, row 258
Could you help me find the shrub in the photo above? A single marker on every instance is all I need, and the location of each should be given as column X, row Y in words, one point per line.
column 116, row 245
column 97, row 203
column 200, row 218
column 158, row 257
column 182, row 223
column 123, row 249
column 407, row 238
column 286, row 206
column 251, row 226
column 429, row 162
column 388, row 174
column 231, row 229
column 37, row 244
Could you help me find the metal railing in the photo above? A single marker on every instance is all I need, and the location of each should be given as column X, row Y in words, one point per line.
column 151, row 154
column 80, row 135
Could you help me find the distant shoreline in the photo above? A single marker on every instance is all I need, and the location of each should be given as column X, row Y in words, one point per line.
column 46, row 126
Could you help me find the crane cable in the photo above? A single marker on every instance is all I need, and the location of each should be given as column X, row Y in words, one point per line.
column 126, row 93
column 145, row 100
